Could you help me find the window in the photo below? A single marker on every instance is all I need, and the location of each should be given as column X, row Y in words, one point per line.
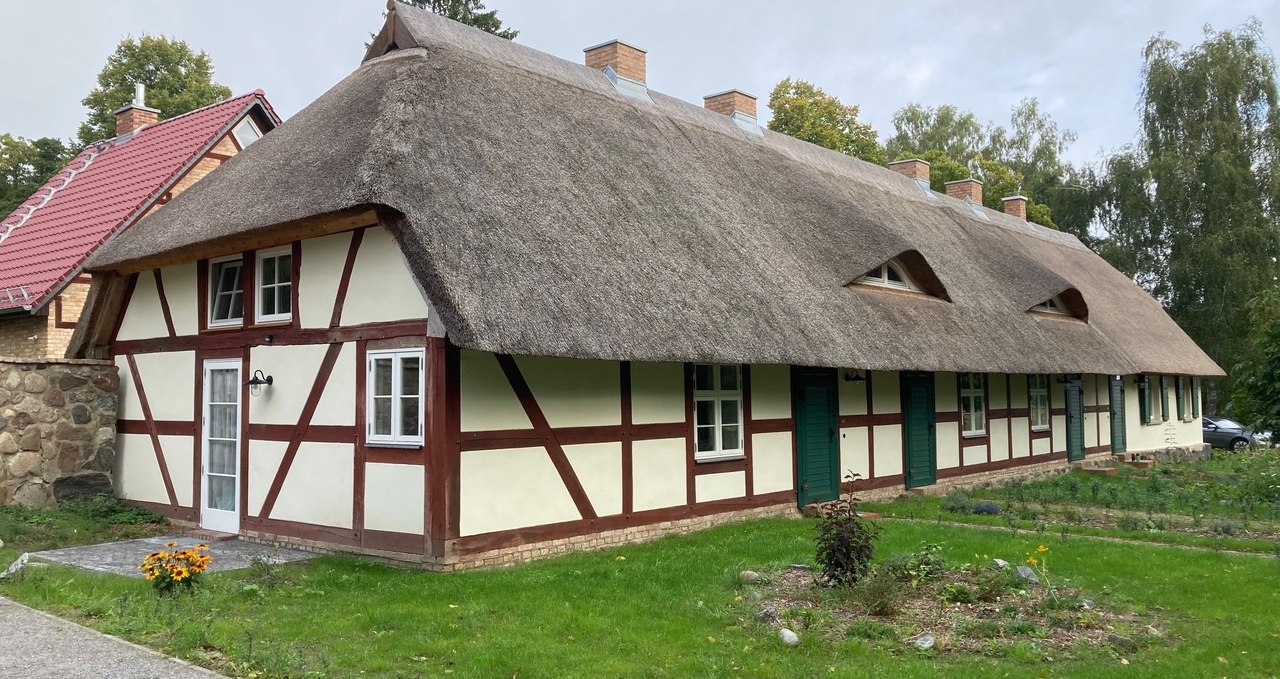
column 973, row 411
column 393, row 410
column 246, row 133
column 889, row 274
column 226, row 292
column 275, row 285
column 1051, row 306
column 717, row 406
column 1038, row 400
column 1182, row 391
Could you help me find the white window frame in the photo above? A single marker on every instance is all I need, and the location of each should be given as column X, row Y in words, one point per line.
column 880, row 276
column 718, row 396
column 260, row 285
column 236, row 132
column 1038, row 402
column 396, row 439
column 969, row 395
column 1053, row 305
column 1187, row 395
column 215, row 292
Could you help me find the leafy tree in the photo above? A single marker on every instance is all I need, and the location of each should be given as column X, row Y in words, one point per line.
column 942, row 168
column 1255, row 398
column 919, row 129
column 804, row 111
column 469, row 12
column 178, row 80
column 25, row 166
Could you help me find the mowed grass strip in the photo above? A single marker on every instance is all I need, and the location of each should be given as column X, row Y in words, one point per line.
column 664, row 609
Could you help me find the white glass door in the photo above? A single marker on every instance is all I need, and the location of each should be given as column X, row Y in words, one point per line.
column 220, row 464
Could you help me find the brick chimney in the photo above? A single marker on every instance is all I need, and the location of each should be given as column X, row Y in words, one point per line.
column 627, row 60
column 911, row 167
column 1016, row 206
column 731, row 102
column 136, row 114
column 965, row 188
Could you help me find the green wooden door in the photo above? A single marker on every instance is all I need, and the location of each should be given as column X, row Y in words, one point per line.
column 1075, row 418
column 1117, row 415
column 919, row 434
column 814, row 398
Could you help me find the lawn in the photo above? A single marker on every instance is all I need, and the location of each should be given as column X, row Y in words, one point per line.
column 671, row 608
column 79, row 522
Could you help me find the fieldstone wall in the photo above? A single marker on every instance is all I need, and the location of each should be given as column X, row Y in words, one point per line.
column 57, row 429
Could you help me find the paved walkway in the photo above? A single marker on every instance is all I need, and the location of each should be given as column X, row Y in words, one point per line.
column 36, row 645
column 122, row 558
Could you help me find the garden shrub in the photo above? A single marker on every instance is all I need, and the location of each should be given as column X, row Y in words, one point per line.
column 958, row 593
column 873, row 630
column 994, row 584
column 988, row 508
column 845, row 544
column 924, row 564
column 1224, row 528
column 879, row 592
column 957, row 502
column 109, row 509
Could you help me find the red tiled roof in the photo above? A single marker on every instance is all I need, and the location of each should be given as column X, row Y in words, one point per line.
column 102, row 190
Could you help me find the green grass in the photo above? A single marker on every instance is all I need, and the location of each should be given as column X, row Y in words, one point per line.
column 100, row 519
column 664, row 609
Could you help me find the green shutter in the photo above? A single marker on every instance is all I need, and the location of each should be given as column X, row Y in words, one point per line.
column 1195, row 397
column 1164, row 398
column 1182, row 401
column 1144, row 404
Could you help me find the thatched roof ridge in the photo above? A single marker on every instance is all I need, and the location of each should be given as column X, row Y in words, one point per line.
column 545, row 213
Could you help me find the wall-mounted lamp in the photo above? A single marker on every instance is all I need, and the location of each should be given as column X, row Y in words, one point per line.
column 852, row 375
column 258, row 381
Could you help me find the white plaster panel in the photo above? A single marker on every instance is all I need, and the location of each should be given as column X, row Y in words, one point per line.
column 182, row 294
column 337, row 403
column 1090, row 430
column 573, row 392
column 885, row 390
column 264, row 462
column 772, row 466
column 1040, row 446
column 487, row 400
column 657, row 393
column 178, row 451
column 1059, row 425
column 948, row 434
column 1019, row 391
column 1021, row 437
column 1089, row 394
column 1104, row 434
column 946, row 394
column 293, row 368
column 770, row 392
column 136, row 472
column 711, row 487
column 999, row 439
column 853, row 396
column 975, row 455
column 658, row 474
column 143, row 318
column 381, row 287
column 853, row 452
column 598, row 467
column 320, row 487
column 169, row 380
column 511, row 488
column 394, row 498
column 888, row 445
column 130, row 407
column 319, row 275
column 997, row 385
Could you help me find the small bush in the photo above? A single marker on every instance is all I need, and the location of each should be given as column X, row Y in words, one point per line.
column 1224, row 528
column 958, row 593
column 873, row 630
column 957, row 502
column 109, row 509
column 879, row 593
column 988, row 508
column 925, row 564
column 846, row 543
column 994, row 584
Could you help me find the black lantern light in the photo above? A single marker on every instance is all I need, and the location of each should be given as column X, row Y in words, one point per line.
column 258, row 381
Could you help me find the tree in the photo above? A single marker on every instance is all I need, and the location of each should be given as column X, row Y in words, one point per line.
column 469, row 12
column 25, row 166
column 804, row 111
column 178, row 80
column 1255, row 397
column 919, row 129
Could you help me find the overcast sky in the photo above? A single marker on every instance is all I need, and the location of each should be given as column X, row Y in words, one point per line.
column 1080, row 58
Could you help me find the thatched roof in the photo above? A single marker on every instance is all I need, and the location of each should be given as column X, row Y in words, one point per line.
column 544, row 213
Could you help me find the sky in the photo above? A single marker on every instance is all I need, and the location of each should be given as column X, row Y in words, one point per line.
column 1080, row 58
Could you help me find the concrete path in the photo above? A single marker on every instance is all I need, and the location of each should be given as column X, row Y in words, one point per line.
column 36, row 645
column 122, row 558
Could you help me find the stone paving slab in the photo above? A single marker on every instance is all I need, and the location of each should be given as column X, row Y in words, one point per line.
column 122, row 558
column 36, row 645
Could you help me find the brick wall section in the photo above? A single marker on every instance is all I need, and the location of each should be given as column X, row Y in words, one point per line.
column 912, row 167
column 726, row 103
column 57, row 430
column 965, row 188
column 1016, row 206
column 207, row 164
column 628, row 61
column 72, row 299
column 24, row 336
column 131, row 119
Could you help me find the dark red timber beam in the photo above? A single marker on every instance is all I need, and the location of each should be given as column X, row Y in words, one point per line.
column 164, row 303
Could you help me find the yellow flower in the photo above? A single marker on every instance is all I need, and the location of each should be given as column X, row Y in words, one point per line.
column 1032, row 560
column 1042, row 549
column 151, row 575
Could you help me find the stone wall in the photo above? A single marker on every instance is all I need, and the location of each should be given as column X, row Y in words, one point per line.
column 57, row 429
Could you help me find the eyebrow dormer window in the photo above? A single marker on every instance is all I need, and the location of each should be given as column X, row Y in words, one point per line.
column 1052, row 306
column 889, row 274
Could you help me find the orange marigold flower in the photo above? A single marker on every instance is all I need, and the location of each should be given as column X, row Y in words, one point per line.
column 1032, row 560
column 1042, row 549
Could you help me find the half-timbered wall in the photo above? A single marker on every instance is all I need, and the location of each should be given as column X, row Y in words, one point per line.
column 1158, row 432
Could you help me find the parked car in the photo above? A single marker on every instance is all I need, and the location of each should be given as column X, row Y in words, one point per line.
column 1229, row 434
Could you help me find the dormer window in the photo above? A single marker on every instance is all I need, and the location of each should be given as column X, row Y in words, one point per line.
column 246, row 133
column 890, row 274
column 1052, row 305
column 1069, row 303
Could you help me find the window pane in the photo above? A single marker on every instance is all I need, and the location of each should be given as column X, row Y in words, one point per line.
column 222, row 386
column 409, row 410
column 284, row 298
column 237, row 306
column 222, row 493
column 222, row 421
column 268, row 270
column 703, row 377
column 222, row 457
column 705, row 413
column 893, row 275
column 382, row 376
column 729, row 438
column 729, row 377
column 268, row 302
column 409, row 367
column 382, row 415
column 706, row 439
column 729, row 411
